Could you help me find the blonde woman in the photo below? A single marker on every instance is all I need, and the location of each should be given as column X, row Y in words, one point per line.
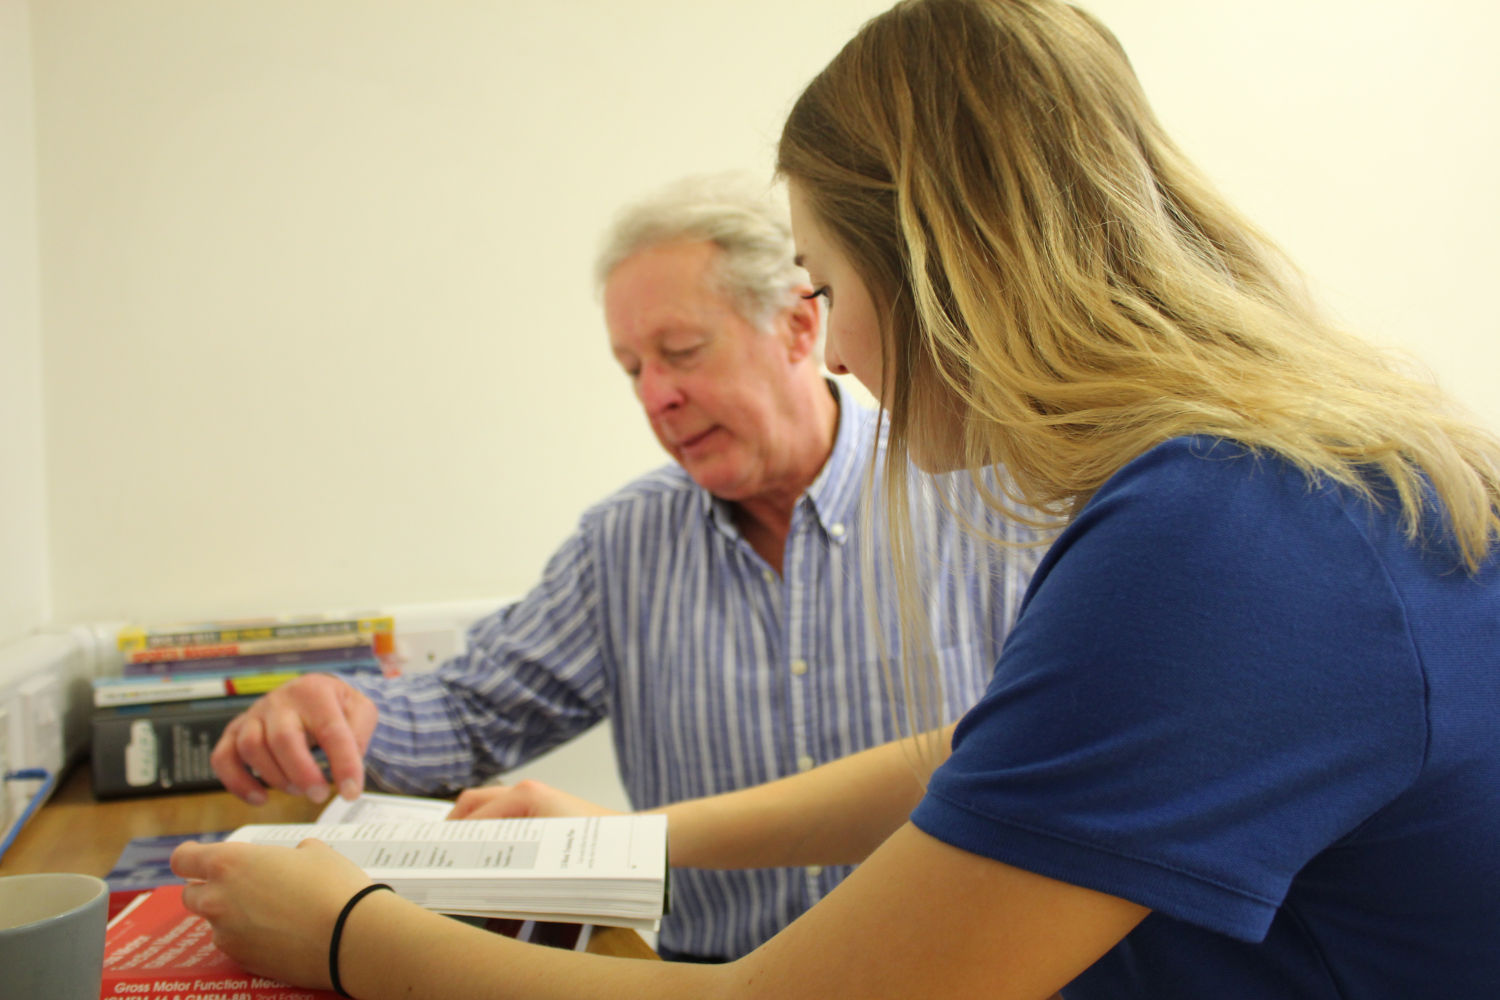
column 1243, row 740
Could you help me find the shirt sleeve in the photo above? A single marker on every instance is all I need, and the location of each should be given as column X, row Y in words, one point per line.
column 533, row 675
column 1211, row 682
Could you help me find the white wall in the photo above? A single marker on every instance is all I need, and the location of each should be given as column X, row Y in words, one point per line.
column 24, row 590
column 317, row 321
column 320, row 323
column 1363, row 135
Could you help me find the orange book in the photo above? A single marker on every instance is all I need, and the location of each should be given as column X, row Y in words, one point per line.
column 254, row 647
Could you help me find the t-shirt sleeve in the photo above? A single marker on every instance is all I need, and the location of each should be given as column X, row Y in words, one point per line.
column 1210, row 682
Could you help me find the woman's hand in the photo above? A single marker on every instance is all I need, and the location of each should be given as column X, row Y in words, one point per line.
column 272, row 909
column 526, row 798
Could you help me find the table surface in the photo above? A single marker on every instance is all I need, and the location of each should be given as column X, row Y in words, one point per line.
column 74, row 832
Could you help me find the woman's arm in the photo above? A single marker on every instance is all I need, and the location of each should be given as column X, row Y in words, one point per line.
column 918, row 919
column 834, row 814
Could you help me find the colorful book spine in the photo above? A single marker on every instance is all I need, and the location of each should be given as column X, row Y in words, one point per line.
column 137, row 638
column 112, row 691
column 302, row 659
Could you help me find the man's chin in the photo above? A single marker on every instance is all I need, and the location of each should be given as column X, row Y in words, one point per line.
column 724, row 483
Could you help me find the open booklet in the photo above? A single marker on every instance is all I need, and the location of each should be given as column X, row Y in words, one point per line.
column 377, row 806
column 607, row 870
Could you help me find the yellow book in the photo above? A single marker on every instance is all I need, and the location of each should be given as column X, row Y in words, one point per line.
column 365, row 625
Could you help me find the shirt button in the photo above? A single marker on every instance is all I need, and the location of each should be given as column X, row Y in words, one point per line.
column 836, row 530
column 804, row 763
column 799, row 667
column 814, row 870
column 769, row 576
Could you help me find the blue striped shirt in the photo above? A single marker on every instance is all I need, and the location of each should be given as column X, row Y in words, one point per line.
column 716, row 671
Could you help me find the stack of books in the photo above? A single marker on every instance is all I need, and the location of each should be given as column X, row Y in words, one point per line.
column 156, row 723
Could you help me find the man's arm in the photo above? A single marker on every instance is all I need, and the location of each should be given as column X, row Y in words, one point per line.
column 532, row 677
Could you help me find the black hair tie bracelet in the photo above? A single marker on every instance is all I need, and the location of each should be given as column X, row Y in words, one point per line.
column 338, row 932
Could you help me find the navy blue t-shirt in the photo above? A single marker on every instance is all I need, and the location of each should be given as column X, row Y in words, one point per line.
column 1251, row 704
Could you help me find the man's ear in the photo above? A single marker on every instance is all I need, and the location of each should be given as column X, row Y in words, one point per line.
column 803, row 321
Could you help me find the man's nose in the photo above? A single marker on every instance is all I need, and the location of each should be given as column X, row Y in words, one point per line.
column 658, row 389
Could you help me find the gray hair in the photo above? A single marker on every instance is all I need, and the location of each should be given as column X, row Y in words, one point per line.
column 745, row 218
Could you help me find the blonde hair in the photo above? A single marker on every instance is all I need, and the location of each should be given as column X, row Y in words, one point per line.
column 1056, row 273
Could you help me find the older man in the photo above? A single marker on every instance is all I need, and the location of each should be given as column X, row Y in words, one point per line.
column 713, row 609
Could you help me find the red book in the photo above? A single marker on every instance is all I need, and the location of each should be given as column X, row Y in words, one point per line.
column 154, row 948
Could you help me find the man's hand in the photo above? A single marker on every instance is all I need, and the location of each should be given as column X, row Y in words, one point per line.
column 526, row 798
column 273, row 738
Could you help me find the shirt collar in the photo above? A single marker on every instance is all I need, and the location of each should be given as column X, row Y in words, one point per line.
column 834, row 494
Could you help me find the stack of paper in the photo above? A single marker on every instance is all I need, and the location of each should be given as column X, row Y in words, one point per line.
column 609, row 870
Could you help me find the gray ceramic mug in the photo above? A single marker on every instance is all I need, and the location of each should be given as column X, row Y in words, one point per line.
column 52, row 936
